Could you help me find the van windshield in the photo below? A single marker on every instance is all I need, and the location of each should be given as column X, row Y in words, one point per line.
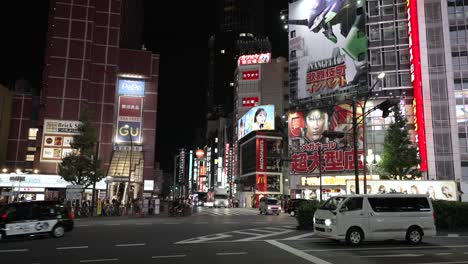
column 332, row 203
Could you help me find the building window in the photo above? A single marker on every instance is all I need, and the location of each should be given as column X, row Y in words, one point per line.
column 404, row 56
column 387, row 10
column 32, row 133
column 373, row 8
column 31, row 149
column 388, row 31
column 390, row 58
column 374, row 32
column 405, row 79
column 402, row 30
column 391, row 80
column 376, row 57
column 293, row 33
column 293, row 54
column 30, row 157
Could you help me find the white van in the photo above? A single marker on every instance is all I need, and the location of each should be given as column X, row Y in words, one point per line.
column 355, row 218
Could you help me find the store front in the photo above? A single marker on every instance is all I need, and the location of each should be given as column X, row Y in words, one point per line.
column 17, row 186
column 308, row 187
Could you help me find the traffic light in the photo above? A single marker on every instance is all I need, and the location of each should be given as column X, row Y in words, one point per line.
column 386, row 106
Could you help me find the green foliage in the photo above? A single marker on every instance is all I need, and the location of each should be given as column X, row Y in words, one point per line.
column 83, row 168
column 305, row 213
column 451, row 215
column 399, row 157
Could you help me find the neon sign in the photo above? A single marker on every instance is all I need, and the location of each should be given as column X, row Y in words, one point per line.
column 415, row 73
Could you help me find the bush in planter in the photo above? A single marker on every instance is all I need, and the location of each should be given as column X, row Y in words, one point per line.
column 305, row 214
column 451, row 215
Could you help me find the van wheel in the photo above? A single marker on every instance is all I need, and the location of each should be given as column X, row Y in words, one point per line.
column 58, row 231
column 354, row 236
column 414, row 235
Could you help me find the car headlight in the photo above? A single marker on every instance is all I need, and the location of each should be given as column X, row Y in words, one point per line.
column 330, row 222
column 313, row 220
column 269, row 207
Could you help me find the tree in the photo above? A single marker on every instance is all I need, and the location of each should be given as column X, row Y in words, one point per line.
column 82, row 167
column 400, row 156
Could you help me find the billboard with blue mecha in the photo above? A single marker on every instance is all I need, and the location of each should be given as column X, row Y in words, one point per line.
column 260, row 117
column 131, row 87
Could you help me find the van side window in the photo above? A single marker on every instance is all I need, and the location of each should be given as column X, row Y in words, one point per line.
column 401, row 204
column 20, row 212
column 353, row 204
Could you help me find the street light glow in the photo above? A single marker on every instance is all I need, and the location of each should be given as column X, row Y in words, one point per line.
column 381, row 75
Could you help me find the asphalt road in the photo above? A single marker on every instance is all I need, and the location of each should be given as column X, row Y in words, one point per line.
column 217, row 236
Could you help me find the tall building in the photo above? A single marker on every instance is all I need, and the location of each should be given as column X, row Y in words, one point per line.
column 86, row 68
column 421, row 48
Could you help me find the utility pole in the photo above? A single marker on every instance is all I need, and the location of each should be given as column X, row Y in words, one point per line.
column 355, row 148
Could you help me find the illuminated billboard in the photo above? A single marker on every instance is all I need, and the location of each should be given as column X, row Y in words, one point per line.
column 437, row 190
column 254, row 59
column 128, row 131
column 130, row 108
column 56, row 139
column 415, row 74
column 260, row 117
column 328, row 45
column 131, row 87
column 307, row 136
column 250, row 75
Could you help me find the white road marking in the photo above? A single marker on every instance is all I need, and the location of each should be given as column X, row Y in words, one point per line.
column 203, row 239
column 170, row 223
column 169, row 256
column 247, row 233
column 449, row 262
column 131, row 245
column 391, row 256
column 299, row 236
column 76, row 247
column 97, row 260
column 14, row 250
column 453, row 235
column 143, row 223
column 382, row 248
column 263, row 236
column 231, row 253
column 298, row 253
column 231, row 222
column 443, row 254
column 81, row 225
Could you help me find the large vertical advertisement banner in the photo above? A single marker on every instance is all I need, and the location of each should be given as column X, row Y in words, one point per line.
column 261, row 177
column 308, row 142
column 130, row 111
column 415, row 71
column 328, row 44
column 57, row 137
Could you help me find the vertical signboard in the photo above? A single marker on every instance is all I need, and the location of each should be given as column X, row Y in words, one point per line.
column 182, row 166
column 415, row 74
column 328, row 46
column 56, row 139
column 261, row 177
column 130, row 111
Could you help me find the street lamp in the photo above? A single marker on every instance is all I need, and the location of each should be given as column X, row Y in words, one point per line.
column 130, row 165
column 380, row 77
column 355, row 133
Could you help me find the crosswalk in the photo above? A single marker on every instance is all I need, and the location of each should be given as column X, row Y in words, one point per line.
column 286, row 232
column 225, row 211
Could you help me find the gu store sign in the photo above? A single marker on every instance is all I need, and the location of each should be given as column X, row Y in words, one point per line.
column 182, row 166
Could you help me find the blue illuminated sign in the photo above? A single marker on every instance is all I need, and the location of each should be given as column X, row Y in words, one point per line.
column 131, row 87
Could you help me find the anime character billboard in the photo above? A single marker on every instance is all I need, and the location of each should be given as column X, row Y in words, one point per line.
column 328, row 45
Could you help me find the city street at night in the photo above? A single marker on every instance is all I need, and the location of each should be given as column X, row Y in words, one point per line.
column 236, row 235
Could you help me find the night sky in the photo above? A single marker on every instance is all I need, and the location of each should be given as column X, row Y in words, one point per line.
column 181, row 41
